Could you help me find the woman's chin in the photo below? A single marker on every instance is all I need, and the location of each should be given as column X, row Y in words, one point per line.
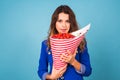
column 63, row 31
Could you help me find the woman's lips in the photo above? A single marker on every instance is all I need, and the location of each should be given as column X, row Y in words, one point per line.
column 63, row 30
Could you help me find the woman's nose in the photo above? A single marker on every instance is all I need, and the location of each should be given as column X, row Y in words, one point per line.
column 64, row 24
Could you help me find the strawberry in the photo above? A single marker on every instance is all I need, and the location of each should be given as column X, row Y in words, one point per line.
column 63, row 36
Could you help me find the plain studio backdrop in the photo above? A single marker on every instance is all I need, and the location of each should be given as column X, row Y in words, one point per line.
column 25, row 23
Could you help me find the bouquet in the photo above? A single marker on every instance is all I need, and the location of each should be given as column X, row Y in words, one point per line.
column 60, row 43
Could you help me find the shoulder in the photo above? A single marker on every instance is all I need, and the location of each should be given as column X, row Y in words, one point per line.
column 44, row 46
column 44, row 42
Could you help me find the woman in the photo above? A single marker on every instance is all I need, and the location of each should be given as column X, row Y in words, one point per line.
column 78, row 63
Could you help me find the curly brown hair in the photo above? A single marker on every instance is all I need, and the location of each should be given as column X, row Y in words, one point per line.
column 73, row 23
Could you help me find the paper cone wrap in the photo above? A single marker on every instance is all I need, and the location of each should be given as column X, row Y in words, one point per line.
column 60, row 46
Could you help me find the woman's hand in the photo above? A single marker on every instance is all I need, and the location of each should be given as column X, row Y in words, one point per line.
column 57, row 73
column 68, row 58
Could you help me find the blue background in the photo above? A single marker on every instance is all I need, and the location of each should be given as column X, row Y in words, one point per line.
column 25, row 23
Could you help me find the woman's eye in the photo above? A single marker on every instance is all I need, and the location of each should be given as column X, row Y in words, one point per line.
column 59, row 20
column 68, row 21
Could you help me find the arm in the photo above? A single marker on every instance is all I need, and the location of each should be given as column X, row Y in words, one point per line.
column 85, row 60
column 82, row 65
column 43, row 62
column 43, row 66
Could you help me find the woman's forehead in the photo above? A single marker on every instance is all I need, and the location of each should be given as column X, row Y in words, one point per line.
column 63, row 16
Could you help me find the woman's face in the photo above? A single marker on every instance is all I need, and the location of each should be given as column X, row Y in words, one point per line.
column 63, row 23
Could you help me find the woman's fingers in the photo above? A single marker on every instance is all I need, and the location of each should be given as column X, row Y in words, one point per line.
column 62, row 70
column 68, row 52
column 68, row 57
column 58, row 73
column 63, row 57
column 74, row 54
